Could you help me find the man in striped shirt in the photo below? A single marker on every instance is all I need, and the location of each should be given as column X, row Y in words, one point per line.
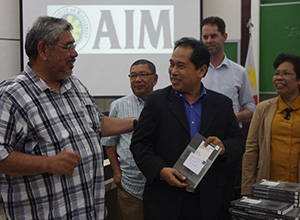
column 127, row 175
column 50, row 129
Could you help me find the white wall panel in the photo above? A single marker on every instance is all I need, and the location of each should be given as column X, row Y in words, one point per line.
column 9, row 59
column 229, row 11
column 9, row 19
column 9, row 38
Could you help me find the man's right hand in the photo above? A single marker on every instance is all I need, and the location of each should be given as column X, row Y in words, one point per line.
column 64, row 163
column 117, row 178
column 173, row 177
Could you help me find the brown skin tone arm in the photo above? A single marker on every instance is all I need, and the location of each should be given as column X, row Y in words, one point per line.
column 113, row 158
column 173, row 177
column 114, row 126
column 21, row 164
column 244, row 115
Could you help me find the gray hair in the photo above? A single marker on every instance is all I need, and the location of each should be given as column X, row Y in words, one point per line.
column 47, row 29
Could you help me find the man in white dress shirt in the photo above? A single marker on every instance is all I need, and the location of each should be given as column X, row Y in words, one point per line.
column 231, row 79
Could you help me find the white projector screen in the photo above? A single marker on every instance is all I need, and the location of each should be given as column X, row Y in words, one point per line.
column 112, row 34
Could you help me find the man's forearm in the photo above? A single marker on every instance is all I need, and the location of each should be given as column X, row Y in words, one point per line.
column 113, row 158
column 114, row 126
column 21, row 164
column 244, row 115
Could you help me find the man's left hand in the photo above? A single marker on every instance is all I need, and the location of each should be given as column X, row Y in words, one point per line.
column 217, row 141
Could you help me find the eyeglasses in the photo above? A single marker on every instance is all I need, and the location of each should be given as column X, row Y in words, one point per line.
column 68, row 47
column 142, row 75
column 284, row 75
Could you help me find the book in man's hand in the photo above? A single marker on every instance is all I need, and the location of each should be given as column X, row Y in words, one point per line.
column 196, row 159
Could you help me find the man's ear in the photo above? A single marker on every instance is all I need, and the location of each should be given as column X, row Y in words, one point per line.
column 203, row 70
column 155, row 79
column 225, row 35
column 43, row 50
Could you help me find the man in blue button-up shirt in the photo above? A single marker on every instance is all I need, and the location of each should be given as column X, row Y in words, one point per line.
column 167, row 125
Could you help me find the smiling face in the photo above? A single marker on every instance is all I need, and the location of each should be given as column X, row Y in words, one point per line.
column 286, row 83
column 61, row 60
column 183, row 74
column 142, row 86
column 213, row 39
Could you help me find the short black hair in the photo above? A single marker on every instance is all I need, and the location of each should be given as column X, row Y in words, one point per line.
column 150, row 65
column 200, row 54
column 291, row 58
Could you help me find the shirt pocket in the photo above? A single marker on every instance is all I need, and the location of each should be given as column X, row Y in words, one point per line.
column 91, row 115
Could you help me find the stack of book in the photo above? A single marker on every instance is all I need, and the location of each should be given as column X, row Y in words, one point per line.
column 277, row 190
column 292, row 215
column 257, row 208
column 269, row 200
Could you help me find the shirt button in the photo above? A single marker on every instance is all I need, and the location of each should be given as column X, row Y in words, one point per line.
column 193, row 122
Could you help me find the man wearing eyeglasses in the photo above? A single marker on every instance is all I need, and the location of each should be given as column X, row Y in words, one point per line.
column 51, row 158
column 127, row 176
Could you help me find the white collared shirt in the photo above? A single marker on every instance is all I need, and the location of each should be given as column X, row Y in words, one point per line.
column 232, row 80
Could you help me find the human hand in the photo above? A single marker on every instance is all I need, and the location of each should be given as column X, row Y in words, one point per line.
column 217, row 141
column 64, row 163
column 117, row 178
column 173, row 177
column 237, row 114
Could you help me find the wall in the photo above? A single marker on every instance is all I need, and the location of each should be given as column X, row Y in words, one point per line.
column 229, row 10
column 9, row 38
